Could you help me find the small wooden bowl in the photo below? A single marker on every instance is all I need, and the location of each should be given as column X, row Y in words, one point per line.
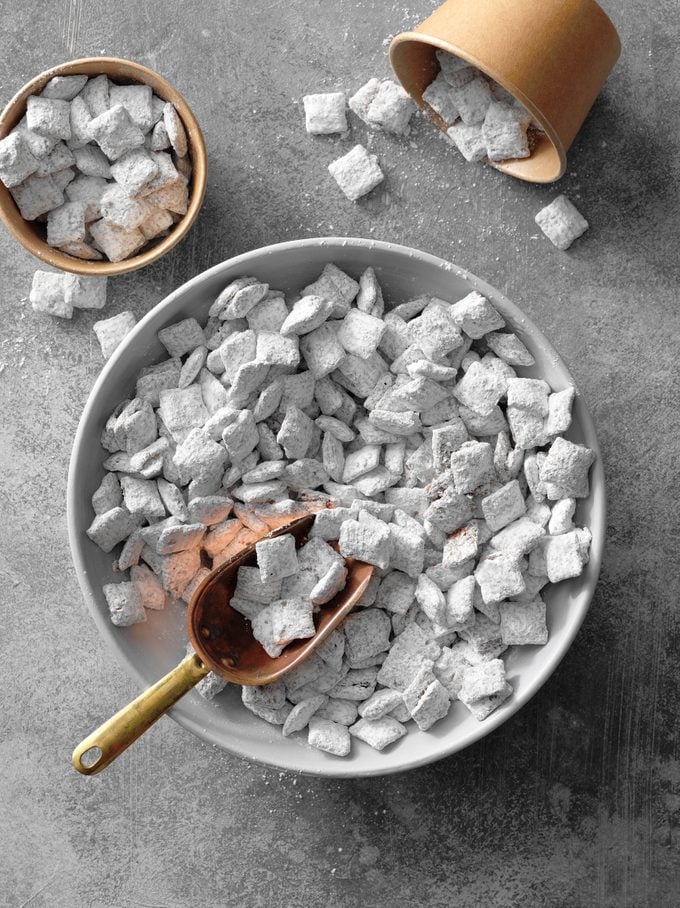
column 31, row 234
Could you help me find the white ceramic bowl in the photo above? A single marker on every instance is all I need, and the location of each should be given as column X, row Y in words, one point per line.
column 151, row 649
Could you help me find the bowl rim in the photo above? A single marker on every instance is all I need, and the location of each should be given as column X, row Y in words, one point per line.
column 21, row 229
column 499, row 716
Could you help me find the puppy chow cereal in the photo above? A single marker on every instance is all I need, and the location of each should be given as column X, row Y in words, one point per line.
column 561, row 222
column 56, row 293
column 82, row 138
column 483, row 121
column 325, row 114
column 384, row 105
column 452, row 479
column 111, row 331
column 356, row 173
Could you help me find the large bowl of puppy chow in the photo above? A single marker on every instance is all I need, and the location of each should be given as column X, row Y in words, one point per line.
column 437, row 434
column 102, row 166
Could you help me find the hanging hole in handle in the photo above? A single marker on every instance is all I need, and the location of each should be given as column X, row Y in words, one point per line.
column 91, row 757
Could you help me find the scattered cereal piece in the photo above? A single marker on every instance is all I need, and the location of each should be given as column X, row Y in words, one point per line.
column 391, row 108
column 325, row 113
column 48, row 294
column 561, row 222
column 361, row 100
column 111, row 331
column 357, row 172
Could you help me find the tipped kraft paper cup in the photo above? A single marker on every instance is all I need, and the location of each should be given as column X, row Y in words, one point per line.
column 552, row 55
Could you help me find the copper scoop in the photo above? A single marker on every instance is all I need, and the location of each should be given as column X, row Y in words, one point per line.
column 223, row 642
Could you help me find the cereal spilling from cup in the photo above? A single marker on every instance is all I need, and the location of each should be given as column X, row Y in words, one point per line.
column 484, row 122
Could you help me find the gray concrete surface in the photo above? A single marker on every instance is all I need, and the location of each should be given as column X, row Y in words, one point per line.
column 575, row 801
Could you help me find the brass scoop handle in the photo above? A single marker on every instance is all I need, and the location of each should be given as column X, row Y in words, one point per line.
column 123, row 729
